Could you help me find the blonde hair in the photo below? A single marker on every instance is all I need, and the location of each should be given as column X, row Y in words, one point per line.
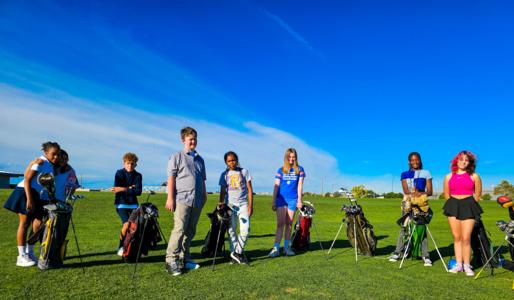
column 187, row 131
column 287, row 166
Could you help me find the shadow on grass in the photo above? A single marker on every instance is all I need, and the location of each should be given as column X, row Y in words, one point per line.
column 92, row 254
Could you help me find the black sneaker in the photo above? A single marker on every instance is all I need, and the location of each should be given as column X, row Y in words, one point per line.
column 236, row 257
column 173, row 269
column 232, row 261
column 244, row 260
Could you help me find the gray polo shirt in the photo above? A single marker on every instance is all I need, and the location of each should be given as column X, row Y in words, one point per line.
column 189, row 171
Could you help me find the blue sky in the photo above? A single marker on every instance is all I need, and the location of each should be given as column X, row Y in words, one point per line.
column 353, row 85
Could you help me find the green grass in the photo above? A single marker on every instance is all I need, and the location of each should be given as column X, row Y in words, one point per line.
column 308, row 275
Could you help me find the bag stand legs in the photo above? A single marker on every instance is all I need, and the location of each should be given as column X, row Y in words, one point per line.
column 493, row 255
column 354, row 239
column 77, row 243
column 216, row 249
column 433, row 241
column 139, row 249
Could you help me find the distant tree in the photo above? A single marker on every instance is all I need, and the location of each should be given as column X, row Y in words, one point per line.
column 392, row 195
column 441, row 196
column 336, row 194
column 359, row 191
column 504, row 188
column 328, row 195
column 486, row 197
column 165, row 183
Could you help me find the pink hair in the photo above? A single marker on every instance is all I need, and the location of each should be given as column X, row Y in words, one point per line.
column 472, row 162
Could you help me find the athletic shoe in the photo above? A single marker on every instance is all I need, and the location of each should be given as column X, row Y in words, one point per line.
column 456, row 269
column 289, row 252
column 24, row 261
column 237, row 257
column 468, row 270
column 120, row 251
column 173, row 269
column 394, row 258
column 244, row 260
column 232, row 261
column 274, row 252
column 426, row 261
column 191, row 265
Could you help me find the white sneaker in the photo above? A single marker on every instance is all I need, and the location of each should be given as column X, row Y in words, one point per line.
column 289, row 252
column 24, row 261
column 426, row 261
column 468, row 270
column 191, row 265
column 274, row 252
column 120, row 251
column 394, row 258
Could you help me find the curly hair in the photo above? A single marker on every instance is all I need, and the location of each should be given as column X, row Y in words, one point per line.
column 48, row 145
column 131, row 157
column 471, row 158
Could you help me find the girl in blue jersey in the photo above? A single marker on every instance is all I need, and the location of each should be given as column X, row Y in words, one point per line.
column 25, row 201
column 287, row 197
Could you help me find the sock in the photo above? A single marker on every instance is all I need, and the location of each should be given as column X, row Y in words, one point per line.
column 286, row 244
column 21, row 250
column 276, row 245
column 29, row 249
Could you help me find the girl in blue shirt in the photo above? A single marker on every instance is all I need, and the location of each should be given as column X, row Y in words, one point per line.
column 287, row 197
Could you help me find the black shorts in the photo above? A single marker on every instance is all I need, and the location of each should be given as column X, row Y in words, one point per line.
column 462, row 209
column 17, row 202
column 124, row 214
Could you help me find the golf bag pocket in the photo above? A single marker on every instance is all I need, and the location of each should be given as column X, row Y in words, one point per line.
column 53, row 245
column 215, row 238
column 302, row 235
column 143, row 232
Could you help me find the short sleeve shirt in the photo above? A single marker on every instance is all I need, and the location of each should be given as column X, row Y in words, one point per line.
column 235, row 182
column 288, row 188
column 417, row 179
column 188, row 168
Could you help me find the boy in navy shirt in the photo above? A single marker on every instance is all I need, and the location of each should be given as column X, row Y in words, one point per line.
column 128, row 184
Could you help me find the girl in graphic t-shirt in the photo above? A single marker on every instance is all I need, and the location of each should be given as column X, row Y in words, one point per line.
column 462, row 191
column 236, row 191
column 287, row 197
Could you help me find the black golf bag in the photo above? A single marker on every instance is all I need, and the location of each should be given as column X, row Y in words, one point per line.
column 143, row 233
column 302, row 234
column 511, row 239
column 53, row 242
column 220, row 222
column 481, row 245
column 365, row 236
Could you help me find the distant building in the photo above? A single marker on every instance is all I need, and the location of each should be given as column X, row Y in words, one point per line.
column 5, row 179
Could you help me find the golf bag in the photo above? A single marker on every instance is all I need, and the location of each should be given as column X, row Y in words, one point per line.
column 302, row 234
column 53, row 243
column 366, row 239
column 143, row 233
column 220, row 221
column 481, row 245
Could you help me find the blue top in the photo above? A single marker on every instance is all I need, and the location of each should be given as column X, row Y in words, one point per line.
column 288, row 188
column 416, row 178
column 126, row 179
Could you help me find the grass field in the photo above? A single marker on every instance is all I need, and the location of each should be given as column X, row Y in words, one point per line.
column 307, row 275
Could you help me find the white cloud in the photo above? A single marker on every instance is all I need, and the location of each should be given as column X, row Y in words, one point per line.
column 96, row 136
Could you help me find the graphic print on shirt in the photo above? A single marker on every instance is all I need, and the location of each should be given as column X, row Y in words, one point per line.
column 234, row 181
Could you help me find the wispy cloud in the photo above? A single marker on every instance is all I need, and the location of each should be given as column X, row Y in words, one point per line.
column 293, row 33
column 96, row 136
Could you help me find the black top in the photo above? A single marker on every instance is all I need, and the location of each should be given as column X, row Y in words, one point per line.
column 127, row 179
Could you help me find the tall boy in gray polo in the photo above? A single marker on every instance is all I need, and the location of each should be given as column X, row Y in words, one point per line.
column 186, row 197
